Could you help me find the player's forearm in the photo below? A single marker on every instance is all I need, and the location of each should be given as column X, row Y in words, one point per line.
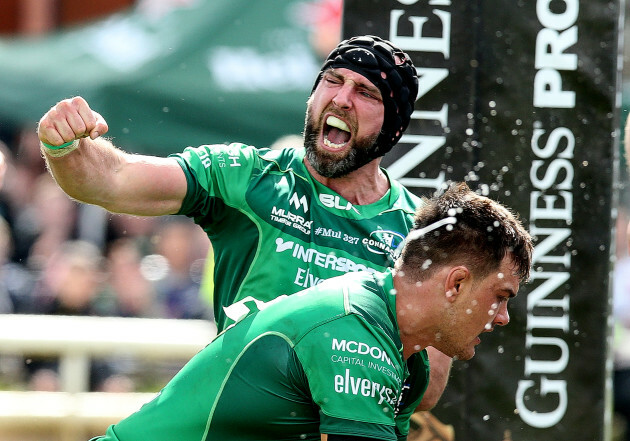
column 90, row 169
column 438, row 378
column 88, row 174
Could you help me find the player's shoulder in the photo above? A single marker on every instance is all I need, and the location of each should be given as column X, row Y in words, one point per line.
column 206, row 153
column 338, row 295
column 288, row 158
column 369, row 295
column 237, row 153
column 406, row 201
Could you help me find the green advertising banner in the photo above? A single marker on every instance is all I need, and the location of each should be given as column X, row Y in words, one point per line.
column 209, row 72
column 522, row 100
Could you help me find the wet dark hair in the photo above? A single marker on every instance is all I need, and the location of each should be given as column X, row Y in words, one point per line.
column 481, row 234
column 390, row 70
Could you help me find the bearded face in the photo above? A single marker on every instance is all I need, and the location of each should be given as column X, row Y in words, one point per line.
column 333, row 132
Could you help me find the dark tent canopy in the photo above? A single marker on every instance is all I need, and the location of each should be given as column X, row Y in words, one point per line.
column 211, row 72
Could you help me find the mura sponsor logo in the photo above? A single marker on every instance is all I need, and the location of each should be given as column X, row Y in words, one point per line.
column 383, row 241
column 291, row 219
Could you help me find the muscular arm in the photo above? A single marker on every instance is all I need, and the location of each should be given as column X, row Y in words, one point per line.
column 98, row 173
column 438, row 377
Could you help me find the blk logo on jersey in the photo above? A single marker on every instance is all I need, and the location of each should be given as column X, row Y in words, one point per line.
column 331, row 201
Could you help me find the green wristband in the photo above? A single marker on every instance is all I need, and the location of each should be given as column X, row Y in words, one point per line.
column 57, row 147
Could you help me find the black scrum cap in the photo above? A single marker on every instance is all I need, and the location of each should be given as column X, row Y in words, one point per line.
column 389, row 69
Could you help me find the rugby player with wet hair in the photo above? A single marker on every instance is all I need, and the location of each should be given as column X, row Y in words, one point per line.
column 332, row 359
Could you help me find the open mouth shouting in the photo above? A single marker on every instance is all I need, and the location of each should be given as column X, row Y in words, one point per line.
column 336, row 133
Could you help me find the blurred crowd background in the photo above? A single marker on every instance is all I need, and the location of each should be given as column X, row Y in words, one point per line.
column 130, row 266
column 61, row 257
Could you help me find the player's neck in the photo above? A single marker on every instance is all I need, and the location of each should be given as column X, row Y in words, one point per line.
column 416, row 313
column 361, row 187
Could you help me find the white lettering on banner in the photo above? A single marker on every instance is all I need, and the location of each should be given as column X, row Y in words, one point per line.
column 542, row 420
column 428, row 79
column 551, row 203
column 288, row 69
column 349, row 385
column 541, row 398
column 419, row 42
column 558, row 35
column 542, row 401
column 424, row 147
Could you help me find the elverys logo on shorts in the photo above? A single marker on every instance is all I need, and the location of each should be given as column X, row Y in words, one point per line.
column 383, row 241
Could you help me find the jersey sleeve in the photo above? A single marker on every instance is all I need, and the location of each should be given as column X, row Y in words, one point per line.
column 354, row 373
column 216, row 172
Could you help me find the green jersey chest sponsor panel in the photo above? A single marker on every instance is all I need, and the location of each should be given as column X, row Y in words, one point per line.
column 299, row 232
column 276, row 188
column 318, row 234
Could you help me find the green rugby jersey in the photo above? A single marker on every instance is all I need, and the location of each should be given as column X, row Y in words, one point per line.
column 325, row 360
column 276, row 230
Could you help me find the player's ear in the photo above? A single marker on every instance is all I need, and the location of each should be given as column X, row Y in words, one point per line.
column 454, row 280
